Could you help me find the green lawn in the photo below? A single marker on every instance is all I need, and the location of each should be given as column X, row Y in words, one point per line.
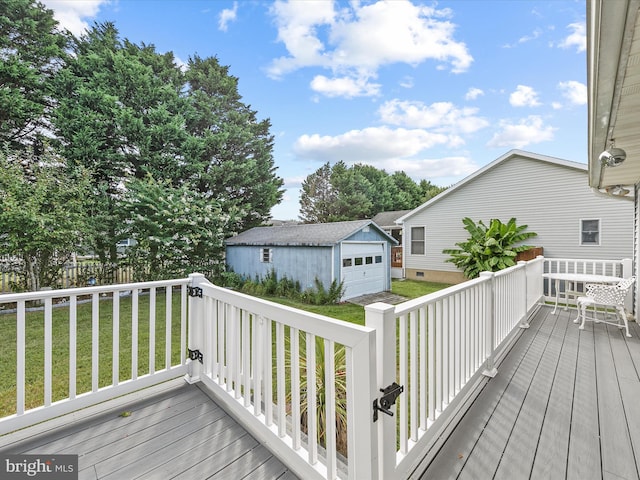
column 355, row 313
column 34, row 339
column 34, row 370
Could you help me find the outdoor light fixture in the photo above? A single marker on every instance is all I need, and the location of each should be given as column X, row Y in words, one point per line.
column 612, row 157
column 617, row 190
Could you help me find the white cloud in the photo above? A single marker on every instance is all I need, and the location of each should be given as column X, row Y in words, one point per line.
column 527, row 131
column 74, row 14
column 344, row 87
column 407, row 82
column 524, row 96
column 372, row 144
column 526, row 38
column 227, row 15
column 442, row 117
column 574, row 91
column 354, row 41
column 577, row 38
column 473, row 93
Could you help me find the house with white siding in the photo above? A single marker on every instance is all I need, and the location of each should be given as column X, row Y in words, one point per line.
column 548, row 194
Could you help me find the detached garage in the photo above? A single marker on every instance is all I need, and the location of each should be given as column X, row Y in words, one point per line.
column 357, row 253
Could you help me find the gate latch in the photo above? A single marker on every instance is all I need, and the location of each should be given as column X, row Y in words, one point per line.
column 391, row 393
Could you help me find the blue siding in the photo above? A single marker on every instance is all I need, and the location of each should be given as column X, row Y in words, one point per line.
column 303, row 264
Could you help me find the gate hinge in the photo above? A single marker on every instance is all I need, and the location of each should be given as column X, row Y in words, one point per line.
column 195, row 355
column 194, row 291
column 391, row 393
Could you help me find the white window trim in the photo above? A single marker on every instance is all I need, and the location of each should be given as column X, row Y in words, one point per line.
column 410, row 240
column 262, row 252
column 580, row 225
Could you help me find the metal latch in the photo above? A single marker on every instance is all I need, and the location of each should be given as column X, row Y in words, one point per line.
column 391, row 394
column 194, row 291
column 195, row 355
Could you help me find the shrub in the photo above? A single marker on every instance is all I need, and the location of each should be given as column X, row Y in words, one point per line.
column 489, row 248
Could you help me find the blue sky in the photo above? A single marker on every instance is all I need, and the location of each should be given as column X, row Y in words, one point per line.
column 436, row 89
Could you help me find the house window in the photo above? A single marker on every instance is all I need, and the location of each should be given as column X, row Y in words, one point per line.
column 266, row 255
column 417, row 241
column 590, row 232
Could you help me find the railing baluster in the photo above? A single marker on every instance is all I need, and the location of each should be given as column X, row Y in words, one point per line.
column 115, row 362
column 413, row 390
column 330, row 405
column 183, row 323
column 403, row 414
column 134, row 333
column 20, row 353
column 312, row 417
column 295, row 387
column 47, row 351
column 246, row 358
column 280, row 379
column 73, row 344
column 168, row 312
column 268, row 372
column 431, row 352
column 258, row 363
column 95, row 339
column 423, row 367
column 152, row 330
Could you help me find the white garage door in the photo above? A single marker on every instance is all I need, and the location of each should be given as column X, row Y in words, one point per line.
column 363, row 268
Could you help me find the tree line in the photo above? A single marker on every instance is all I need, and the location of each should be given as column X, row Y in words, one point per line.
column 337, row 193
column 103, row 139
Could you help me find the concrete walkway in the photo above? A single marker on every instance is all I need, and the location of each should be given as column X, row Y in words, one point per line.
column 385, row 297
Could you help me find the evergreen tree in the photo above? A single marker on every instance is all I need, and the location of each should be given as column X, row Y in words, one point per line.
column 229, row 151
column 31, row 52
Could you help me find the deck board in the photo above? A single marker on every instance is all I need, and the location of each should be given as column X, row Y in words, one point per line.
column 174, row 431
column 563, row 405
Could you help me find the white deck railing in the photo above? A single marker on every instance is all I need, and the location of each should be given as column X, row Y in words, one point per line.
column 70, row 349
column 446, row 340
column 290, row 377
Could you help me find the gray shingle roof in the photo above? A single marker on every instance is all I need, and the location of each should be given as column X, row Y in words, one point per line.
column 388, row 219
column 311, row 234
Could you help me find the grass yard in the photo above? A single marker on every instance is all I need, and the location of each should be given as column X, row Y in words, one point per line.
column 355, row 313
column 34, row 370
column 34, row 348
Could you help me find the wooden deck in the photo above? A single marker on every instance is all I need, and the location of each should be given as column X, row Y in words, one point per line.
column 170, row 431
column 565, row 404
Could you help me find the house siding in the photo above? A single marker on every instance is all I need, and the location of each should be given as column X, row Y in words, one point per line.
column 301, row 263
column 550, row 198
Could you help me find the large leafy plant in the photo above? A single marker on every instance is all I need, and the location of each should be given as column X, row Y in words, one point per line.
column 489, row 248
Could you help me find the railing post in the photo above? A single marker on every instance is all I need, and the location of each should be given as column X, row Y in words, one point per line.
column 381, row 317
column 490, row 370
column 195, row 326
column 627, row 271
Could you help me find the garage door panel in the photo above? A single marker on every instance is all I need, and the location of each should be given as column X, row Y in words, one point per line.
column 363, row 269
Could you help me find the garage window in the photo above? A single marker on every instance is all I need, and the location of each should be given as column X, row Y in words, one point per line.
column 266, row 255
column 378, row 258
column 368, row 260
column 417, row 241
column 347, row 262
column 358, row 261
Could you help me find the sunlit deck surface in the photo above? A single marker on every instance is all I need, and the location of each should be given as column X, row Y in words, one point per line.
column 169, row 431
column 565, row 404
